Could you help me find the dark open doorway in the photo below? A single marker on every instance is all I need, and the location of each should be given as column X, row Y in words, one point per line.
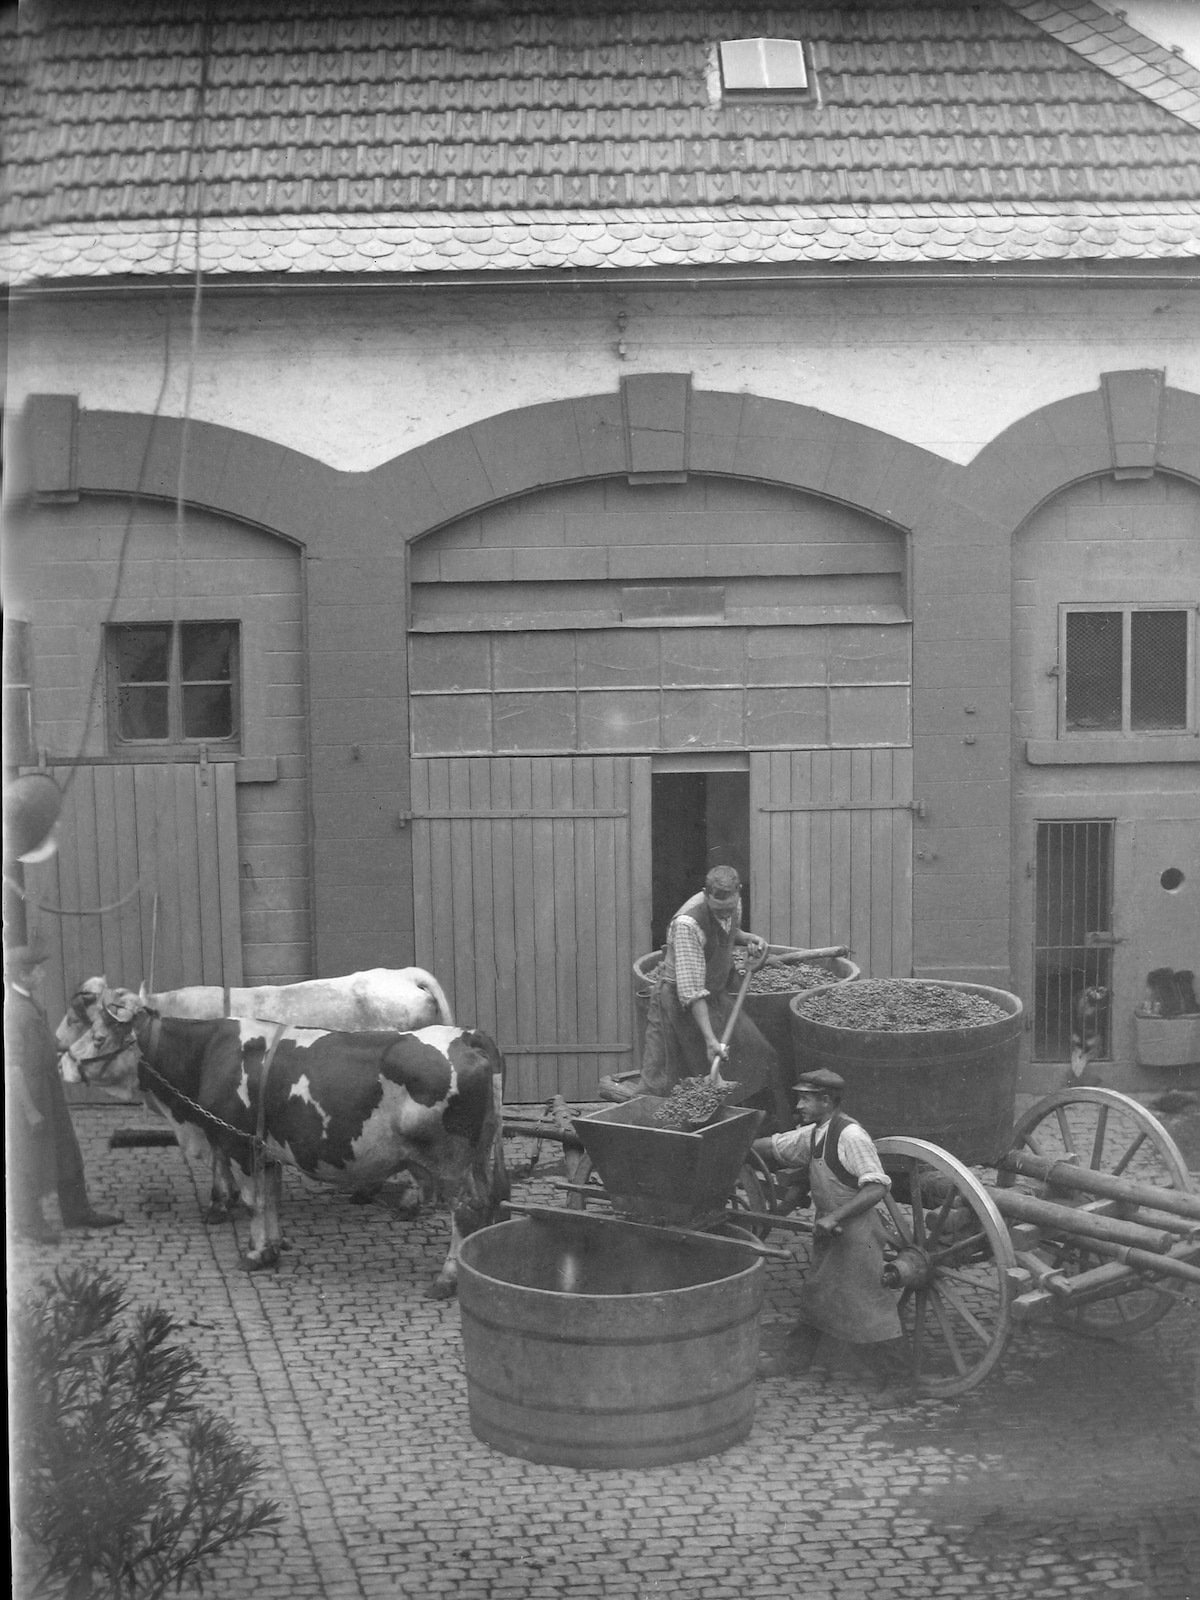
column 697, row 820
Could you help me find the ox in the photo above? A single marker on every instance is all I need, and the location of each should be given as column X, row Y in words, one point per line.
column 399, row 998
column 350, row 1109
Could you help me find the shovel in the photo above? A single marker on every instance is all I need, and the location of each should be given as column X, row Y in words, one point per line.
column 752, row 966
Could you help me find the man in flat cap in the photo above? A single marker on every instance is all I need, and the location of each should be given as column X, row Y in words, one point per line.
column 842, row 1297
column 43, row 1152
column 695, row 985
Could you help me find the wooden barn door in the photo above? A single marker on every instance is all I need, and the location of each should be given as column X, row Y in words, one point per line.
column 831, row 852
column 522, row 890
column 144, row 884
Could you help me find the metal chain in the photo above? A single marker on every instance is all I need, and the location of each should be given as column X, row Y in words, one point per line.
column 209, row 1116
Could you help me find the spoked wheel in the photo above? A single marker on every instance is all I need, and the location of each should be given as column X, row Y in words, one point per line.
column 756, row 1191
column 953, row 1259
column 1103, row 1131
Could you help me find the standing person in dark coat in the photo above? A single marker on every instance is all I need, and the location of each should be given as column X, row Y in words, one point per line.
column 43, row 1152
column 693, row 996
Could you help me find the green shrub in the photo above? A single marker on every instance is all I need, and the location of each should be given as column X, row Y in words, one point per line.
column 124, row 1485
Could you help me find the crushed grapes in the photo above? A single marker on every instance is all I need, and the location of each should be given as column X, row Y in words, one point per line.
column 693, row 1102
column 899, row 1005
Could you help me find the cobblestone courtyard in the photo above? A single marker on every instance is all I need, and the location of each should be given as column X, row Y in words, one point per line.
column 1075, row 1471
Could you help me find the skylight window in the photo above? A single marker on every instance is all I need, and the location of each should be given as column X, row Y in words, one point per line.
column 758, row 66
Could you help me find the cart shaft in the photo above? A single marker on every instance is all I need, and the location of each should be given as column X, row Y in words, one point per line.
column 1074, row 1220
column 1066, row 1175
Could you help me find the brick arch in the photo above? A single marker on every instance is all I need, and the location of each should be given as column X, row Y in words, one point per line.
column 731, row 435
column 339, row 513
column 1080, row 437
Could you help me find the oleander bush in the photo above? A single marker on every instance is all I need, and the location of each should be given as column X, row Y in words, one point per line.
column 124, row 1486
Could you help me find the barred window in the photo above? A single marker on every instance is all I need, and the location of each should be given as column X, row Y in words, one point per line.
column 173, row 683
column 1127, row 669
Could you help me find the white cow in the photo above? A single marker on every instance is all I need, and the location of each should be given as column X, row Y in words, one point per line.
column 382, row 998
column 398, row 998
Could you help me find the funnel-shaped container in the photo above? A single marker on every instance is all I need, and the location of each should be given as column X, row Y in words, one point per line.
column 662, row 1175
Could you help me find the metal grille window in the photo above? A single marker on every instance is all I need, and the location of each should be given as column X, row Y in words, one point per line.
column 1127, row 669
column 1073, row 939
column 173, row 683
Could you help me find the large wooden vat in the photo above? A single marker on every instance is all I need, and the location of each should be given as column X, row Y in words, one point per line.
column 590, row 1343
column 955, row 1087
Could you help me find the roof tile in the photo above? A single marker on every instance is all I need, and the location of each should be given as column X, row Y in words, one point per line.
column 1037, row 98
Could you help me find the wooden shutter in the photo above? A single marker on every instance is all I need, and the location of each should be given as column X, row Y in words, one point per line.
column 831, row 852
column 133, row 838
column 521, row 880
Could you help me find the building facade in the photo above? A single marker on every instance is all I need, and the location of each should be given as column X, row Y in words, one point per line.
column 475, row 467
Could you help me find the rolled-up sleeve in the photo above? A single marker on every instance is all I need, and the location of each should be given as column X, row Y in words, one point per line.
column 794, row 1148
column 858, row 1155
column 687, row 944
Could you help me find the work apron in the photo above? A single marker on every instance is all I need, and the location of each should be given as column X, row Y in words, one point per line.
column 843, row 1295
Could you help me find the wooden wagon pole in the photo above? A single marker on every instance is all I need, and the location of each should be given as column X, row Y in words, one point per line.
column 1145, row 1262
column 1077, row 1222
column 1066, row 1175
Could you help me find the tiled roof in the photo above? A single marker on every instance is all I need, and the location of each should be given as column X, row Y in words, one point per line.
column 413, row 117
column 391, row 243
column 1107, row 41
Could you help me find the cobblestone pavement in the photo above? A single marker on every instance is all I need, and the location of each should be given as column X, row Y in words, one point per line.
column 1074, row 1471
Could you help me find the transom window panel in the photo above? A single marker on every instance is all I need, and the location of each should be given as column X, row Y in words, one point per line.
column 609, row 690
column 173, row 683
column 1127, row 669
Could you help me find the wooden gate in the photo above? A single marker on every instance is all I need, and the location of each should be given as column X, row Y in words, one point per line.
column 144, row 884
column 522, row 894
column 831, row 852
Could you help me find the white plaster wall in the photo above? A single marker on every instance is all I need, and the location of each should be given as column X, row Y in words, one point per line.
column 356, row 376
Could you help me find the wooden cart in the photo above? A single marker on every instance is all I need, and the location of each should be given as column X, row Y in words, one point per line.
column 1088, row 1220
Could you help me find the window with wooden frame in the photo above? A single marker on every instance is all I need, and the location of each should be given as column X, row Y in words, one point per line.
column 1127, row 669
column 173, row 684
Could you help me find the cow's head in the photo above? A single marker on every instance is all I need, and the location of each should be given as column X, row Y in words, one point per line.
column 80, row 1014
column 104, row 1051
column 485, row 1183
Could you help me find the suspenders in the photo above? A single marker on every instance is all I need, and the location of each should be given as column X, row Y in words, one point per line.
column 827, row 1149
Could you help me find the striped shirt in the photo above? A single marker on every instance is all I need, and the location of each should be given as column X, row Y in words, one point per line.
column 685, row 951
column 855, row 1151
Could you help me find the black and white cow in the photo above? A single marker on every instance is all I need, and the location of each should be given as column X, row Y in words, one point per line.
column 400, row 998
column 350, row 1109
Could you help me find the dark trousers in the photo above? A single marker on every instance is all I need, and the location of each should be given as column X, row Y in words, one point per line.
column 45, row 1158
column 674, row 1048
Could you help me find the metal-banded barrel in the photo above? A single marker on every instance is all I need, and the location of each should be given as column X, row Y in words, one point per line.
column 956, row 1087
column 589, row 1343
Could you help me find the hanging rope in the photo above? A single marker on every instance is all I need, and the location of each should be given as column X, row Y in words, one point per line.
column 68, row 911
column 153, row 942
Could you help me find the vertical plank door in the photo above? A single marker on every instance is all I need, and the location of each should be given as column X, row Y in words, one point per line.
column 522, row 896
column 144, row 884
column 831, row 852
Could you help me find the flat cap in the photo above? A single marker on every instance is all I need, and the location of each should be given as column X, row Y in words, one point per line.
column 20, row 957
column 820, row 1081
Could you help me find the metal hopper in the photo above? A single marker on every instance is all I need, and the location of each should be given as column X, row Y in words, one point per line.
column 662, row 1175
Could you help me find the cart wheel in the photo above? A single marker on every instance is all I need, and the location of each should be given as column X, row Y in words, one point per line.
column 585, row 1173
column 953, row 1263
column 755, row 1191
column 1106, row 1132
